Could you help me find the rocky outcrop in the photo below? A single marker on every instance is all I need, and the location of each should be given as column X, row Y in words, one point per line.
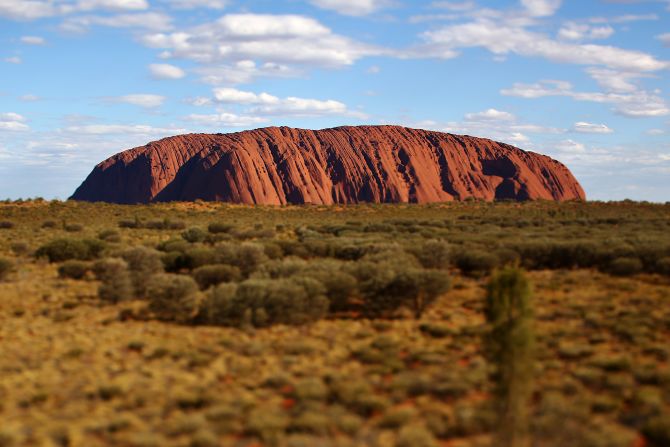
column 280, row 165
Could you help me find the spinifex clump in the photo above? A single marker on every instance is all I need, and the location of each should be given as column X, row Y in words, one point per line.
column 509, row 348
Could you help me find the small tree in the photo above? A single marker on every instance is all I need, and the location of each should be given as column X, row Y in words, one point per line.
column 173, row 297
column 509, row 348
column 116, row 284
column 142, row 262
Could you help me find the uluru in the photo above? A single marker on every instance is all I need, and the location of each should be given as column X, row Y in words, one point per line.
column 343, row 165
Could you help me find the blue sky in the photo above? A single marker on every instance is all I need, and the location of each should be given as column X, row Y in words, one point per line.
column 585, row 82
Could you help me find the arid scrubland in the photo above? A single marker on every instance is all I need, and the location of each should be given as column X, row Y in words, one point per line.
column 210, row 324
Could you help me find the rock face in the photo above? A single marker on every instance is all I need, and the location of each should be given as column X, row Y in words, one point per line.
column 280, row 165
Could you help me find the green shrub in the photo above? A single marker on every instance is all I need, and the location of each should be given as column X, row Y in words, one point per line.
column 663, row 266
column 173, row 297
column 264, row 302
column 218, row 307
column 74, row 269
column 194, row 235
column 178, row 245
column 109, row 236
column 657, row 431
column 217, row 228
column 20, row 248
column 142, row 262
column 73, row 228
column 476, row 262
column 396, row 283
column 60, row 250
column 509, row 348
column 6, row 268
column 415, row 436
column 136, row 223
column 197, row 257
column 249, row 257
column 116, row 284
column 625, row 267
column 433, row 254
column 212, row 275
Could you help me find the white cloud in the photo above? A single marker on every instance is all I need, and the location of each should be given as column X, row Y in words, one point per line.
column 454, row 6
column 120, row 5
column 351, row 7
column 242, row 72
column 193, row 4
column 502, row 39
column 152, row 21
column 123, row 129
column 584, row 127
column 624, row 18
column 142, row 100
column 166, row 71
column 570, row 146
column 494, row 124
column 373, row 69
column 12, row 121
column 199, row 101
column 656, row 132
column 665, row 39
column 231, row 95
column 29, row 98
column 583, row 31
column 225, row 119
column 541, row 8
column 490, row 115
column 259, row 44
column 33, row 40
column 267, row 104
column 26, row 9
column 636, row 104
column 38, row 9
column 13, row 60
column 614, row 80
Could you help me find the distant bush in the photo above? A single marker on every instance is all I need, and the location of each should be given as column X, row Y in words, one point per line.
column 142, row 263
column 173, row 297
column 136, row 223
column 20, row 248
column 165, row 224
column 197, row 257
column 74, row 269
column 116, row 284
column 217, row 307
column 49, row 224
column 65, row 249
column 433, row 254
column 264, row 302
column 194, row 235
column 657, row 431
column 6, row 268
column 663, row 266
column 385, row 292
column 6, row 225
column 217, row 228
column 179, row 245
column 247, row 256
column 476, row 262
column 212, row 275
column 73, row 228
column 625, row 267
column 109, row 236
